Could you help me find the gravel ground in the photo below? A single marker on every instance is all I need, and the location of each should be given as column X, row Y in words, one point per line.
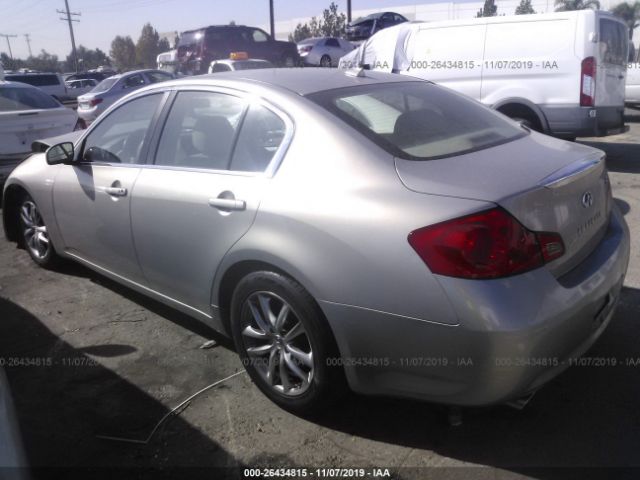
column 119, row 362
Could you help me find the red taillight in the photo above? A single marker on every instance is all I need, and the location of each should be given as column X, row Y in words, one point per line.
column 488, row 244
column 95, row 101
column 305, row 49
column 588, row 82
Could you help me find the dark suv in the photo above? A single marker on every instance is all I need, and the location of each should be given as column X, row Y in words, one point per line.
column 363, row 28
column 197, row 48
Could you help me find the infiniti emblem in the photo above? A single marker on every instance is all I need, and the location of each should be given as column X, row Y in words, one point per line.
column 587, row 199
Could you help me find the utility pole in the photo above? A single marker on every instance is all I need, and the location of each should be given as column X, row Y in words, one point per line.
column 271, row 21
column 7, row 37
column 27, row 36
column 69, row 19
column 348, row 11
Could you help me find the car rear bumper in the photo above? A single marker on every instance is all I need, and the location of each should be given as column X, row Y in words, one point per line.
column 514, row 334
column 575, row 121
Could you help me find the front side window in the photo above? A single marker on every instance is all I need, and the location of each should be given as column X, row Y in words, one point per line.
column 134, row 81
column 418, row 120
column 259, row 36
column 200, row 131
column 119, row 137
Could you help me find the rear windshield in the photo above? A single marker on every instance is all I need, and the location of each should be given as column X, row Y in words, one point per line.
column 251, row 65
column 35, row 80
column 418, row 120
column 613, row 42
column 105, row 85
column 14, row 99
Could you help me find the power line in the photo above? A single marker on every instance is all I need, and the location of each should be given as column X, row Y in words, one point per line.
column 28, row 38
column 7, row 37
column 70, row 20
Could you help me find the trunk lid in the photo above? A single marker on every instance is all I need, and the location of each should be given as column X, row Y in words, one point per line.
column 547, row 184
column 19, row 129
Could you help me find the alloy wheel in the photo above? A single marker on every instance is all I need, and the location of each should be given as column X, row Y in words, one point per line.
column 277, row 343
column 35, row 233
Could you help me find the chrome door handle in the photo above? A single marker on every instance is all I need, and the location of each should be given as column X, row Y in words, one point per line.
column 228, row 203
column 116, row 191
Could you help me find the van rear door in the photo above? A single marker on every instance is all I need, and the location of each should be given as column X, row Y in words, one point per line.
column 611, row 61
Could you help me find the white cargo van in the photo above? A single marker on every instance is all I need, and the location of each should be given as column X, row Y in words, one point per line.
column 561, row 73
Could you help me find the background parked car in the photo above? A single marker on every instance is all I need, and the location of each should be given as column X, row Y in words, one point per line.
column 198, row 48
column 363, row 28
column 238, row 61
column 51, row 83
column 92, row 104
column 323, row 52
column 75, row 88
column 27, row 114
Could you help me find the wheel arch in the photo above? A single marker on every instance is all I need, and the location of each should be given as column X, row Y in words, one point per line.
column 523, row 108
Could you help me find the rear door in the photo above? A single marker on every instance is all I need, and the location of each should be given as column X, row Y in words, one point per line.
column 214, row 156
column 611, row 62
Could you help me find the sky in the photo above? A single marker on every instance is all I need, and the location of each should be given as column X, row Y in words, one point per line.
column 102, row 20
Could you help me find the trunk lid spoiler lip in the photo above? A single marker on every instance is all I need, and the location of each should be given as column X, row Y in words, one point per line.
column 574, row 171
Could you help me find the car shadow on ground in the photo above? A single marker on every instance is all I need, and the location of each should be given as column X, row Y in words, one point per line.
column 583, row 421
column 621, row 157
column 66, row 399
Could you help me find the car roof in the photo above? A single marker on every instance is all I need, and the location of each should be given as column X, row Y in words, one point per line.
column 304, row 81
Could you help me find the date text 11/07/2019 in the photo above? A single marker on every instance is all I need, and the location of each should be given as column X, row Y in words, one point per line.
column 460, row 65
column 335, row 473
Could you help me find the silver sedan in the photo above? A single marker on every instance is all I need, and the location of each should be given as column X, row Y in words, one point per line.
column 349, row 228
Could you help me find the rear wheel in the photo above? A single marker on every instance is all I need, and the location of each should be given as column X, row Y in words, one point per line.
column 325, row 61
column 284, row 342
column 35, row 236
column 288, row 61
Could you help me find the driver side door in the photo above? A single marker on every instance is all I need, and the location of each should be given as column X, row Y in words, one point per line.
column 92, row 196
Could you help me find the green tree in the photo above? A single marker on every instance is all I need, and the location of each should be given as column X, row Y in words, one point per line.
column 630, row 14
column 332, row 24
column 148, row 47
column 524, row 8
column 44, row 62
column 11, row 64
column 569, row 5
column 490, row 9
column 87, row 58
column 123, row 53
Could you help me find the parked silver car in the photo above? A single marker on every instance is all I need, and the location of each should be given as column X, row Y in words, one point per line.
column 111, row 89
column 323, row 52
column 354, row 225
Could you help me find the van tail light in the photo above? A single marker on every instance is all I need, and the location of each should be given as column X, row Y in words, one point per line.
column 95, row 101
column 489, row 244
column 588, row 82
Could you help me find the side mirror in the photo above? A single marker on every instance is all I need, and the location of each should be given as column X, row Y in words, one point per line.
column 60, row 153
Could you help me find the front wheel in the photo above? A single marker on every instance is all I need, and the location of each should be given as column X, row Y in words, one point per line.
column 35, row 236
column 285, row 343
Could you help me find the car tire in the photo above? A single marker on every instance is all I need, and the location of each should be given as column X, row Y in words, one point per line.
column 288, row 61
column 292, row 357
column 325, row 61
column 34, row 236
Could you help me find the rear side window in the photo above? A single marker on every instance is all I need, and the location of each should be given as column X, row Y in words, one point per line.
column 15, row 99
column 200, row 131
column 155, row 77
column 260, row 137
column 134, row 81
column 332, row 42
column 613, row 42
column 418, row 120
